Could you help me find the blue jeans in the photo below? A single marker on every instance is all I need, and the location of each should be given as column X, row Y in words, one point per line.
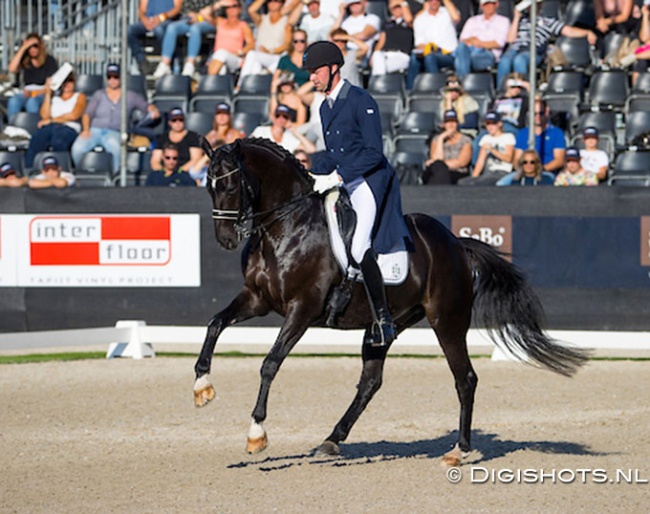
column 60, row 137
column 179, row 28
column 137, row 32
column 19, row 101
column 470, row 58
column 106, row 138
column 430, row 64
column 513, row 60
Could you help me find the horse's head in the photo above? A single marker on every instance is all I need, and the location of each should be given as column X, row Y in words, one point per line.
column 225, row 184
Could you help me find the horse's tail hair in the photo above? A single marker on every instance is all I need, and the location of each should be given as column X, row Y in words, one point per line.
column 508, row 308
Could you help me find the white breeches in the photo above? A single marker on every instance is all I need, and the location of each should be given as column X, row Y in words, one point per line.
column 389, row 62
column 231, row 61
column 363, row 203
column 256, row 62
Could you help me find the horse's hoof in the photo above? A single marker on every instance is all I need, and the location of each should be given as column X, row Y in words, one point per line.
column 257, row 445
column 453, row 458
column 203, row 391
column 328, row 449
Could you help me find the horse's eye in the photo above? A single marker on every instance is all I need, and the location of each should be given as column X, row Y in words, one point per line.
column 231, row 189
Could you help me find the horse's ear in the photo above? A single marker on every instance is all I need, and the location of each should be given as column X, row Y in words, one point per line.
column 206, row 147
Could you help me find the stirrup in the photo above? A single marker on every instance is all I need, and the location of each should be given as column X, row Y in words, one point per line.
column 382, row 332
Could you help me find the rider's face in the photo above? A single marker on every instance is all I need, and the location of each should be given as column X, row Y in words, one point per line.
column 320, row 78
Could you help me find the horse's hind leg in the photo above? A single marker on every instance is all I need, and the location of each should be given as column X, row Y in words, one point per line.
column 370, row 382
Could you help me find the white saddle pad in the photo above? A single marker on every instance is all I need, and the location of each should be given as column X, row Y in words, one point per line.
column 394, row 266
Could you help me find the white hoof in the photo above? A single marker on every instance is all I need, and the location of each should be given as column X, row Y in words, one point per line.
column 203, row 391
column 454, row 457
column 257, row 439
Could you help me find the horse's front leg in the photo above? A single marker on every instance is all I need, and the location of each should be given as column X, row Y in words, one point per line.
column 295, row 325
column 243, row 307
column 370, row 382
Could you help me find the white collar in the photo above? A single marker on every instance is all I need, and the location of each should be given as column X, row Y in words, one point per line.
column 334, row 94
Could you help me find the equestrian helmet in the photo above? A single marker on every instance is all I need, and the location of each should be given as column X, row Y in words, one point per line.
column 321, row 53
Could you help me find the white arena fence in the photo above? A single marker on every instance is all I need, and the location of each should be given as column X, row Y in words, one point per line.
column 136, row 339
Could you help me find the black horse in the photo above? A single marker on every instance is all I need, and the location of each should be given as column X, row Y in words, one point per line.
column 262, row 192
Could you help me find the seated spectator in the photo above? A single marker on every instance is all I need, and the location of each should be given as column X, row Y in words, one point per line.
column 593, row 159
column 517, row 56
column 316, row 24
column 313, row 129
column 282, row 131
column 187, row 143
column 618, row 16
column 351, row 58
column 530, row 172
column 393, row 49
column 222, row 128
column 573, row 173
column 171, row 174
column 195, row 22
column 497, row 150
column 481, row 40
column 273, row 36
column 292, row 61
column 450, row 154
column 51, row 175
column 283, row 91
column 36, row 65
column 303, row 158
column 434, row 31
column 100, row 124
column 642, row 53
column 233, row 41
column 9, row 176
column 60, row 120
column 358, row 24
column 454, row 97
column 153, row 16
column 512, row 104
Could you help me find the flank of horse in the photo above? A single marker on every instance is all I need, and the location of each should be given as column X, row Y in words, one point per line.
column 262, row 193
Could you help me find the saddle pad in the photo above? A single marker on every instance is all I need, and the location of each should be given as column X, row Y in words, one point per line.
column 394, row 266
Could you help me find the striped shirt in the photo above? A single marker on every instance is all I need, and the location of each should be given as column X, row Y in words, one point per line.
column 547, row 28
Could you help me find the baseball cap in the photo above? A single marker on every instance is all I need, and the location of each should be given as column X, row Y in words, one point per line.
column 176, row 112
column 590, row 132
column 488, row 2
column 513, row 83
column 222, row 107
column 348, row 2
column 7, row 169
column 113, row 69
column 285, row 110
column 572, row 154
column 450, row 115
column 492, row 117
column 50, row 160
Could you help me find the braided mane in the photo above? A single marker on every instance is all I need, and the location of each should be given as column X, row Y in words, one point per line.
column 278, row 151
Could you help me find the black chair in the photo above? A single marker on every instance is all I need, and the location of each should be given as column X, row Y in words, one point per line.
column 642, row 84
column 211, row 90
column 580, row 13
column 506, row 8
column 96, row 163
column 428, row 84
column 566, row 82
column 199, row 122
column 377, row 7
column 387, row 125
column 172, row 89
column 138, row 84
column 418, row 123
column 479, row 84
column 422, row 104
column 564, row 110
column 609, row 89
column 88, row 84
column 606, row 143
column 14, row 158
column 611, row 43
column 93, row 180
column 576, row 50
column 391, row 84
column 636, row 123
column 408, row 166
column 637, row 103
column 551, row 9
column 392, row 105
column 256, row 85
column 604, row 121
column 639, row 93
column 259, row 105
column 65, row 161
column 631, row 167
column 247, row 121
column 411, row 143
column 26, row 120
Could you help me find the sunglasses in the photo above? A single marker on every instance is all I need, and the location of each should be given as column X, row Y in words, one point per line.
column 174, row 120
column 117, row 77
column 283, row 116
column 170, row 158
column 340, row 41
column 398, row 6
column 299, row 40
column 529, row 162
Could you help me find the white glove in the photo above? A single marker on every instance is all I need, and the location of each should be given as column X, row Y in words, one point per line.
column 323, row 183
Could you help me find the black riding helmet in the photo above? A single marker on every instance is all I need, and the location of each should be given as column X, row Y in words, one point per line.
column 322, row 53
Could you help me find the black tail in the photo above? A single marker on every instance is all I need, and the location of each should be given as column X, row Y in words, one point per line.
column 506, row 305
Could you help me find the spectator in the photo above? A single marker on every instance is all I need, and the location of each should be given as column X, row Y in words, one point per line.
column 36, row 65
column 51, row 175
column 273, row 38
column 358, row 24
column 466, row 108
column 592, row 159
column 9, row 176
column 171, row 174
column 313, row 129
column 60, row 120
column 517, row 56
column 283, row 91
column 292, row 61
column 481, row 40
column 100, row 124
column 352, row 58
column 497, row 150
column 303, row 158
column 450, row 154
column 222, row 128
column 316, row 24
column 512, row 105
column 434, row 31
column 196, row 21
column 642, row 54
column 153, row 16
column 395, row 44
column 619, row 16
column 187, row 143
column 331, row 8
column 574, row 174
column 233, row 41
column 282, row 132
column 530, row 172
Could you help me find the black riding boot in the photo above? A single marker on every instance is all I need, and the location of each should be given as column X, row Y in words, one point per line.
column 383, row 331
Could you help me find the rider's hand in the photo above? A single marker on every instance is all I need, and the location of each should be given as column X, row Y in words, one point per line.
column 323, row 183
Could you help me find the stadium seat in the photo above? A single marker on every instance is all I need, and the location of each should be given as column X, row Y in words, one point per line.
column 426, row 104
column 88, row 84
column 636, row 123
column 172, row 91
column 639, row 93
column 408, row 166
column 137, row 83
column 611, row 43
column 642, row 85
column 247, row 121
column 566, row 82
column 96, row 163
column 254, row 104
column 604, row 121
column 65, row 161
column 551, row 9
column 580, row 13
column 506, row 8
column 211, row 90
column 14, row 158
column 199, row 122
column 608, row 89
column 476, row 84
column 632, row 169
column 379, row 8
column 428, row 84
column 26, row 120
column 606, row 143
column 93, row 180
column 412, row 143
column 392, row 105
column 255, row 85
column 418, row 123
column 576, row 50
column 391, row 84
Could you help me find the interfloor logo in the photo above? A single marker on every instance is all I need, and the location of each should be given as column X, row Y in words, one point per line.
column 493, row 230
column 645, row 241
column 100, row 240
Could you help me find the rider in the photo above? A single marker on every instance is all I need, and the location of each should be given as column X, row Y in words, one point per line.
column 354, row 159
